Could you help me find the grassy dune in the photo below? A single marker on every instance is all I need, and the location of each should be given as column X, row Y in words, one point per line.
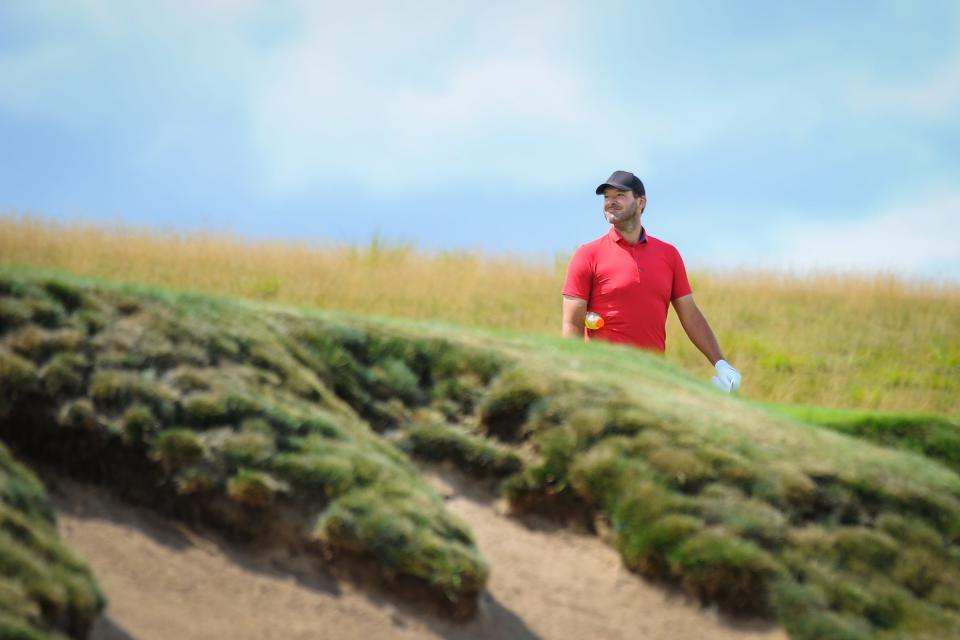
column 45, row 592
column 831, row 340
column 252, row 423
column 293, row 427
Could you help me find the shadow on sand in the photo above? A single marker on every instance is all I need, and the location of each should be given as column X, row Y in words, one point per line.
column 107, row 629
column 81, row 501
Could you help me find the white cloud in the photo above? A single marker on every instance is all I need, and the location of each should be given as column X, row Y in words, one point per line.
column 91, row 63
column 932, row 96
column 332, row 94
column 507, row 94
column 918, row 238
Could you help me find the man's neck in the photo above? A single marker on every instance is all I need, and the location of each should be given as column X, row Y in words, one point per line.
column 631, row 230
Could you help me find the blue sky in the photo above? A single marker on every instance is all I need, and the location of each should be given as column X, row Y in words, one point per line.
column 815, row 135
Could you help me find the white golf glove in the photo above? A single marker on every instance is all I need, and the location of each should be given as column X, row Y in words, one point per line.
column 727, row 378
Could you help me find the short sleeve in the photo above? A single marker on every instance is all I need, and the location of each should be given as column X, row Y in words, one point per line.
column 579, row 281
column 681, row 285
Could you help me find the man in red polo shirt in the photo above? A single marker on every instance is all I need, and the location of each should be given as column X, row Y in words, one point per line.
column 630, row 279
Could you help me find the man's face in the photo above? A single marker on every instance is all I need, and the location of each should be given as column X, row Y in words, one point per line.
column 620, row 206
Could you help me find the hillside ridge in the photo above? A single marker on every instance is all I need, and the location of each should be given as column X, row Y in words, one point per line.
column 294, row 428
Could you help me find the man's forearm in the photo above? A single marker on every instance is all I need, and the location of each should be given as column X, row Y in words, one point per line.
column 701, row 335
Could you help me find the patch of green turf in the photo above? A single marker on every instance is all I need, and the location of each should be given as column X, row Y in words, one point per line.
column 936, row 437
column 45, row 592
column 437, row 440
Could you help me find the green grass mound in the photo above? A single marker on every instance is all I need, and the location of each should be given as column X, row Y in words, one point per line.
column 834, row 537
column 936, row 437
column 44, row 591
column 432, row 438
column 294, row 427
column 265, row 425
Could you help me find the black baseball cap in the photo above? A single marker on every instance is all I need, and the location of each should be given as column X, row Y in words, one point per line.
column 625, row 181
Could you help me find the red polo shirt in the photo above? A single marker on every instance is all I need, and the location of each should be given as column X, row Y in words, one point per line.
column 630, row 286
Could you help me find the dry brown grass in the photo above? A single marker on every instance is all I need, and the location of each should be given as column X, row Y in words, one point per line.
column 830, row 339
column 873, row 342
column 390, row 280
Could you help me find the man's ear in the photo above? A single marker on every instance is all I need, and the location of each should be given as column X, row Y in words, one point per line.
column 643, row 202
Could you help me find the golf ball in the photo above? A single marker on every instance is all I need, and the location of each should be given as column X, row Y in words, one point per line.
column 593, row 321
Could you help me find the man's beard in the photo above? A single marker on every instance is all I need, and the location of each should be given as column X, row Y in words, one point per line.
column 625, row 216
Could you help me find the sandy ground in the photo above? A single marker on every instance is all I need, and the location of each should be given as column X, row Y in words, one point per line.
column 165, row 581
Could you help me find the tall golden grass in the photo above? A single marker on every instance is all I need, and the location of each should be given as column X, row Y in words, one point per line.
column 871, row 342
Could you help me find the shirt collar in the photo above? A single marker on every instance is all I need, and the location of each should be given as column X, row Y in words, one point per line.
column 616, row 237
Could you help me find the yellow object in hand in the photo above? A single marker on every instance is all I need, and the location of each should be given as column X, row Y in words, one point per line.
column 593, row 321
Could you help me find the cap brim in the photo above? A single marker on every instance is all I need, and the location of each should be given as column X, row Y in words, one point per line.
column 621, row 187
